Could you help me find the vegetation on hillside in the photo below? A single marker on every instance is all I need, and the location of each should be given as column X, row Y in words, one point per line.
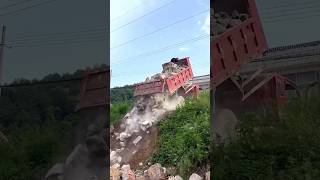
column 121, row 94
column 38, row 121
column 289, row 149
column 118, row 110
column 184, row 137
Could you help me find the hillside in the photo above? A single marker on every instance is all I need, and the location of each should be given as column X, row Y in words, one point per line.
column 38, row 121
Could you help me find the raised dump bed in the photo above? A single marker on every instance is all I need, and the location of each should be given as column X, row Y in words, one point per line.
column 179, row 80
column 237, row 45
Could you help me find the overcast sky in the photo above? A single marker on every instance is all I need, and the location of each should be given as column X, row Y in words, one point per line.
column 37, row 56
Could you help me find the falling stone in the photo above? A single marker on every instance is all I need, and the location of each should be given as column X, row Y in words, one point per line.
column 122, row 144
column 135, row 142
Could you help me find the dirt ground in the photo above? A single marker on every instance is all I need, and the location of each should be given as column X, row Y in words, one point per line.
column 136, row 154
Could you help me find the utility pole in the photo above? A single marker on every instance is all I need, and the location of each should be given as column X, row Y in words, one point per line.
column 2, row 45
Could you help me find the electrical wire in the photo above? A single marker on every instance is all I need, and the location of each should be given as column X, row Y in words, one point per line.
column 140, row 17
column 60, row 34
column 102, row 40
column 27, row 8
column 159, row 29
column 60, row 40
column 15, row 4
column 281, row 6
column 165, row 48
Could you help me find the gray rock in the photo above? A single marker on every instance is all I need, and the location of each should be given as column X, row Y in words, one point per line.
column 156, row 172
column 78, row 156
column 56, row 172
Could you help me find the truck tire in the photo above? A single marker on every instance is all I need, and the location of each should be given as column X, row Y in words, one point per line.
column 223, row 126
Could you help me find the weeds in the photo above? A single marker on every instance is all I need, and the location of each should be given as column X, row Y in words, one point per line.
column 184, row 136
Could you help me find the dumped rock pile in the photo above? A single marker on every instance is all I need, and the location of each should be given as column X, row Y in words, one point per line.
column 221, row 21
column 148, row 110
column 87, row 161
column 154, row 172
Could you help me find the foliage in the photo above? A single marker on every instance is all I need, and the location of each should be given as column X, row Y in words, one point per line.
column 121, row 94
column 184, row 136
column 117, row 111
column 38, row 121
column 288, row 149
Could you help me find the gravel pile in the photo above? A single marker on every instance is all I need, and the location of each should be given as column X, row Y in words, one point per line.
column 154, row 172
column 222, row 21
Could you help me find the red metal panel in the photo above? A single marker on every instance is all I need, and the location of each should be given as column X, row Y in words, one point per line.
column 95, row 87
column 237, row 46
column 176, row 81
column 149, row 88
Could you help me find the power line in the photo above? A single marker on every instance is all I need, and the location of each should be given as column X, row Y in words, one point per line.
column 59, row 39
column 299, row 8
column 15, row 4
column 290, row 18
column 28, row 7
column 125, row 13
column 44, row 37
column 159, row 29
column 138, row 73
column 144, row 15
column 165, row 48
column 288, row 5
column 102, row 39
column 288, row 13
column 70, row 33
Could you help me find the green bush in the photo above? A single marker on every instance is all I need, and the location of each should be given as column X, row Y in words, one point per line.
column 117, row 111
column 184, row 137
column 288, row 149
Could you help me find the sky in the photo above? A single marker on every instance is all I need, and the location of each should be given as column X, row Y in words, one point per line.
column 285, row 22
column 134, row 61
column 288, row 22
column 39, row 56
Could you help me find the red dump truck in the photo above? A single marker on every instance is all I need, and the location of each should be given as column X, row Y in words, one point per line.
column 176, row 82
column 232, row 49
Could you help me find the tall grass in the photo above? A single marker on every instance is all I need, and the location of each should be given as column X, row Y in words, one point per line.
column 184, row 137
column 289, row 149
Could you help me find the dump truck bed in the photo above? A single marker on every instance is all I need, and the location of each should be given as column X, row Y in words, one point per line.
column 169, row 83
column 239, row 44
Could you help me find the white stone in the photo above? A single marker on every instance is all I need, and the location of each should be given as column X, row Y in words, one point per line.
column 118, row 150
column 175, row 177
column 135, row 141
column 195, row 176
column 122, row 144
column 208, row 175
column 116, row 166
column 119, row 159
